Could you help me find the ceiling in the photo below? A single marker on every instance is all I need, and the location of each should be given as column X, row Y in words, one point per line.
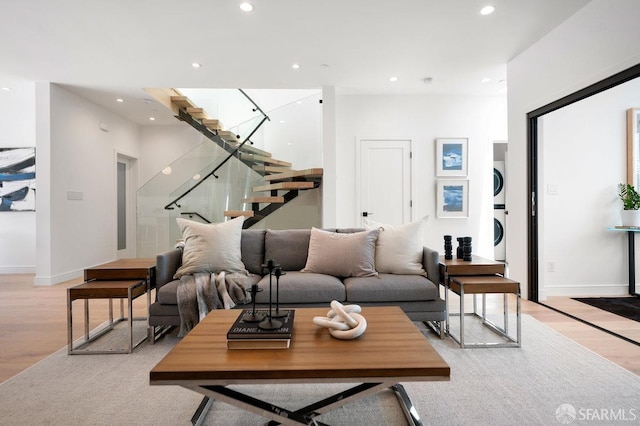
column 103, row 50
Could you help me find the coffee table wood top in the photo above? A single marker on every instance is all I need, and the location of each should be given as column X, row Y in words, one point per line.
column 392, row 349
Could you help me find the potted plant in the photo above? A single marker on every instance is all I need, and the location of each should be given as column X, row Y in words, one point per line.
column 630, row 203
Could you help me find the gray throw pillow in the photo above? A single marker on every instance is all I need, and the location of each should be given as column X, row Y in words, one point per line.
column 342, row 255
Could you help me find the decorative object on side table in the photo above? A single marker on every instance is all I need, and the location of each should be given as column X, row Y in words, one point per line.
column 466, row 248
column 459, row 251
column 343, row 321
column 448, row 247
column 630, row 198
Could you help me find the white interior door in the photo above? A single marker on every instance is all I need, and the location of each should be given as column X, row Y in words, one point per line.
column 385, row 181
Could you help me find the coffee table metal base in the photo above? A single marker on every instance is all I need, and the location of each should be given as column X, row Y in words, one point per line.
column 304, row 415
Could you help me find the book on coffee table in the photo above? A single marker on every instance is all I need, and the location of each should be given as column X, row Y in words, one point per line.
column 248, row 335
column 258, row 343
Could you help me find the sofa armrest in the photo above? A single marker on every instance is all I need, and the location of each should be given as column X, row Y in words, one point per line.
column 167, row 264
column 431, row 263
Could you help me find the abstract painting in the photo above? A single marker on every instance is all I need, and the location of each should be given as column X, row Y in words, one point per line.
column 451, row 156
column 453, row 198
column 17, row 179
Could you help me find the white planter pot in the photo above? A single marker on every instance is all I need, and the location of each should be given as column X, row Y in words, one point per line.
column 630, row 217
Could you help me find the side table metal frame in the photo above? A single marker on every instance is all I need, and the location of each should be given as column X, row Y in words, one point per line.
column 138, row 288
column 501, row 331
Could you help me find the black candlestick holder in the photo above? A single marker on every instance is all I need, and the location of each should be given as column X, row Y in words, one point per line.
column 459, row 251
column 269, row 323
column 253, row 316
column 278, row 313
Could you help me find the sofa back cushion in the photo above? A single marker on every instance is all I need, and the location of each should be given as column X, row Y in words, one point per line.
column 288, row 247
column 252, row 244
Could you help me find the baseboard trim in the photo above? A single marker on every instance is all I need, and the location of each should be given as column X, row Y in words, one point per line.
column 57, row 279
column 6, row 270
column 585, row 290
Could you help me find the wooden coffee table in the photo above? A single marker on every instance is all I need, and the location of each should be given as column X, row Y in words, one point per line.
column 391, row 351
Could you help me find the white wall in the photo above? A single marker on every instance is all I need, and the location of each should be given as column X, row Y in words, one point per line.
column 596, row 42
column 17, row 129
column 75, row 155
column 422, row 119
column 584, row 156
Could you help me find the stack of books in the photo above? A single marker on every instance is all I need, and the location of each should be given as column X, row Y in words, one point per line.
column 249, row 335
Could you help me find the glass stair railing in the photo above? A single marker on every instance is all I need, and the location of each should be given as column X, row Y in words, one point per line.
column 230, row 174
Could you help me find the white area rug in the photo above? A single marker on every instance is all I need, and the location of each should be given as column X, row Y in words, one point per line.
column 549, row 374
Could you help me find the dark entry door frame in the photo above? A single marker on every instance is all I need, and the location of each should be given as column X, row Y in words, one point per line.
column 532, row 163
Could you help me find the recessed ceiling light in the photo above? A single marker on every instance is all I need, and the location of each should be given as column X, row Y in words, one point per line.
column 196, row 65
column 295, row 66
column 282, row 121
column 487, row 10
column 246, row 7
column 120, row 100
column 167, row 170
column 196, row 176
column 393, row 79
column 152, row 118
column 298, row 102
column 6, row 89
column 485, row 80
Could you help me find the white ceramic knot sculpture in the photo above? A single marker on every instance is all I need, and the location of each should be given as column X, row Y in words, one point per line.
column 343, row 321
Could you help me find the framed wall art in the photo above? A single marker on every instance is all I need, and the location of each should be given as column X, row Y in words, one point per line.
column 452, row 198
column 17, row 179
column 451, row 156
column 633, row 146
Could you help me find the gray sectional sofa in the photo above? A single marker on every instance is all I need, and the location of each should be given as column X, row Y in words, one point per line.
column 418, row 295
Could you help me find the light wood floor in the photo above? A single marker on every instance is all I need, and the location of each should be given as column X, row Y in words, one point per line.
column 33, row 324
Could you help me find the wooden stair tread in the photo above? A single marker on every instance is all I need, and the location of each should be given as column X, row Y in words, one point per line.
column 198, row 113
column 271, row 169
column 307, row 173
column 265, row 160
column 228, row 136
column 284, row 186
column 238, row 213
column 182, row 102
column 250, row 149
column 212, row 123
column 264, row 200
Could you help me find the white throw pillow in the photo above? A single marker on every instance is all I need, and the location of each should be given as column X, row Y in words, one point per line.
column 211, row 247
column 342, row 255
column 399, row 248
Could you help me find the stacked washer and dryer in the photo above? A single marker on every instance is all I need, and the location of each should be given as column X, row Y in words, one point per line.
column 499, row 211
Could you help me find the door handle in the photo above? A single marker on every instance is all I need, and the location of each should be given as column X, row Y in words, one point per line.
column 365, row 214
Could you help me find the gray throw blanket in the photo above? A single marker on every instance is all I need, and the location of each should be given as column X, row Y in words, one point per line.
column 202, row 292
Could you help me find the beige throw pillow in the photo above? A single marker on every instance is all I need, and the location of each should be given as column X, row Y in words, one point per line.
column 399, row 248
column 342, row 255
column 211, row 247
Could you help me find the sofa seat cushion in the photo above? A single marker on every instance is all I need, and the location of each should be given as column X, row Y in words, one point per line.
column 390, row 288
column 302, row 287
column 168, row 293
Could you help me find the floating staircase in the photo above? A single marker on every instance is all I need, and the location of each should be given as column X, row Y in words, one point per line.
column 281, row 181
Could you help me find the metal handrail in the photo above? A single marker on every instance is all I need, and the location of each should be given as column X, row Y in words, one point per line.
column 265, row 117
